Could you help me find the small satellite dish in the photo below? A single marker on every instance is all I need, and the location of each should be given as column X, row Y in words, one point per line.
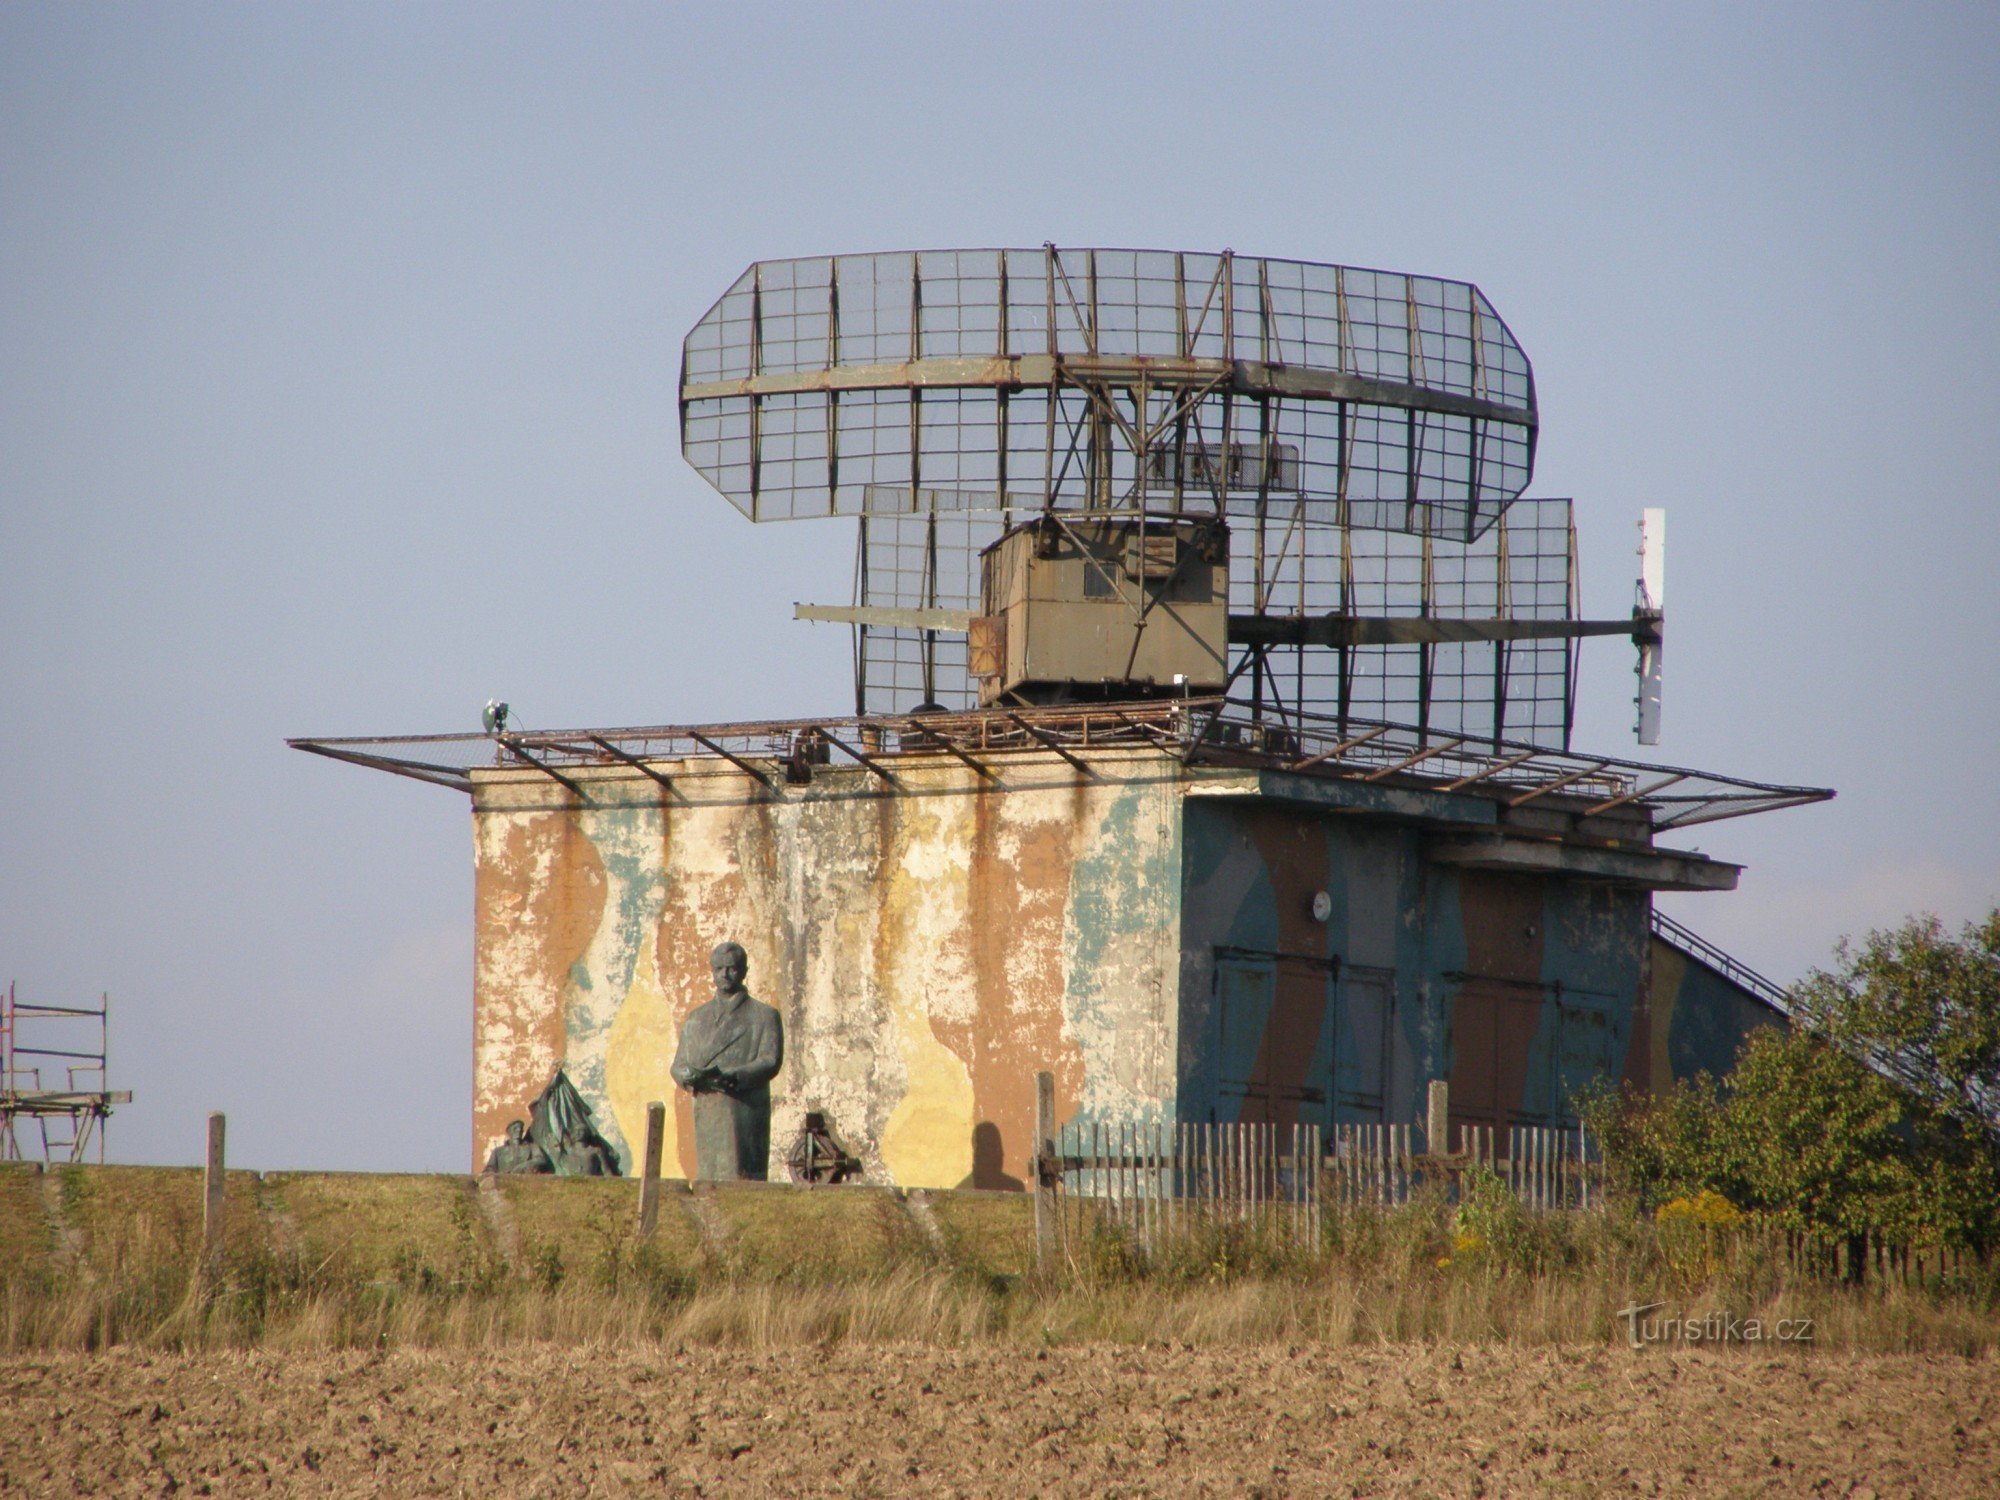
column 494, row 716
column 1322, row 905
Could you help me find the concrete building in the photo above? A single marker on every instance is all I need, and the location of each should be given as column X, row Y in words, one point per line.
column 1180, row 919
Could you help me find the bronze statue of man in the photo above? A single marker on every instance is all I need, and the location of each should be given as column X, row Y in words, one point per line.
column 730, row 1049
column 519, row 1153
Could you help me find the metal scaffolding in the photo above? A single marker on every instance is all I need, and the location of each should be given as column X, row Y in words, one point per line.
column 56, row 1039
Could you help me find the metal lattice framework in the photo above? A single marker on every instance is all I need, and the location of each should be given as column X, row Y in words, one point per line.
column 1366, row 434
column 1521, row 567
column 1216, row 732
column 972, row 379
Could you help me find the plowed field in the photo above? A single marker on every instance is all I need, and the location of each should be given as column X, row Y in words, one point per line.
column 1102, row 1420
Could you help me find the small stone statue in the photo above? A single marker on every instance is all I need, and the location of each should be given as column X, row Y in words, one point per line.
column 730, row 1049
column 559, row 1124
column 519, row 1154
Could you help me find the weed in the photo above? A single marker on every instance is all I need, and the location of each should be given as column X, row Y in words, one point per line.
column 412, row 1262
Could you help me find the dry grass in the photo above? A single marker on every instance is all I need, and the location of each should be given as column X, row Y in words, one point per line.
column 331, row 1262
column 915, row 1305
column 25, row 1235
column 347, row 1228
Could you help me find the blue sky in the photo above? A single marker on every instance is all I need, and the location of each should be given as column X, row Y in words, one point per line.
column 338, row 349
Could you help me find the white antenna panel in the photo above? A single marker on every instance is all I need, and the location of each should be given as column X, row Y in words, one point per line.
column 1652, row 559
column 1651, row 605
column 1649, row 692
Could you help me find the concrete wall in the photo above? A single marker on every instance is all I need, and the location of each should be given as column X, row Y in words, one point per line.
column 1696, row 1020
column 929, row 947
column 1518, row 988
column 1145, row 932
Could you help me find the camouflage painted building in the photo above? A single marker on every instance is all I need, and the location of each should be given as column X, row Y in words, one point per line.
column 1180, row 920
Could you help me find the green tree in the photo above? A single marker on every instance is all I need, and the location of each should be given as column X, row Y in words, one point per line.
column 1922, row 1008
column 1797, row 1131
column 1873, row 1113
column 1820, row 1141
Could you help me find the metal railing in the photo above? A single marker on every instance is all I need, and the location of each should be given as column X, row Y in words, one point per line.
column 1668, row 931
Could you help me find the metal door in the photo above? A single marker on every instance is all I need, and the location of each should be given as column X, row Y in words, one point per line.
column 1361, row 1057
column 1274, row 1059
column 1521, row 1050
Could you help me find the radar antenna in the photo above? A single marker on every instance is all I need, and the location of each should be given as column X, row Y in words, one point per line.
column 1110, row 474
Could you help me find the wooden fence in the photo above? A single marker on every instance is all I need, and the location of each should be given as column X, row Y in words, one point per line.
column 1159, row 1183
column 1383, row 1165
column 1155, row 1184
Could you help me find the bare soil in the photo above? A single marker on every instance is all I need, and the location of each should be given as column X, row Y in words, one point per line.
column 1099, row 1420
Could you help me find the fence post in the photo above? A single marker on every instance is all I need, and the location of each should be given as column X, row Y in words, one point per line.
column 1045, row 1169
column 649, row 1176
column 212, row 1202
column 1437, row 1127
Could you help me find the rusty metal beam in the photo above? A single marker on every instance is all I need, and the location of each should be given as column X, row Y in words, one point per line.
column 1559, row 783
column 416, row 770
column 933, row 740
column 1493, row 770
column 1244, row 377
column 1185, row 724
column 867, row 760
column 506, row 742
column 1159, row 734
column 1417, row 759
column 1714, row 809
column 1425, row 630
column 631, row 760
column 954, row 621
column 31, row 1101
column 1049, row 741
column 1339, row 750
column 1634, row 795
column 735, row 760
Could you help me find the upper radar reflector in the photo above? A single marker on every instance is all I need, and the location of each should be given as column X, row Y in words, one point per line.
column 1002, row 381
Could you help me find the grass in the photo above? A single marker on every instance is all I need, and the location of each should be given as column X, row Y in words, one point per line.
column 333, row 1229
column 579, row 1230
column 320, row 1261
column 807, row 1238
column 989, row 1234
column 25, row 1234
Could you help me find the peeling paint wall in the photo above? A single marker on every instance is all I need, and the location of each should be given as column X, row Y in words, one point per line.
column 1146, row 933
column 930, row 946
